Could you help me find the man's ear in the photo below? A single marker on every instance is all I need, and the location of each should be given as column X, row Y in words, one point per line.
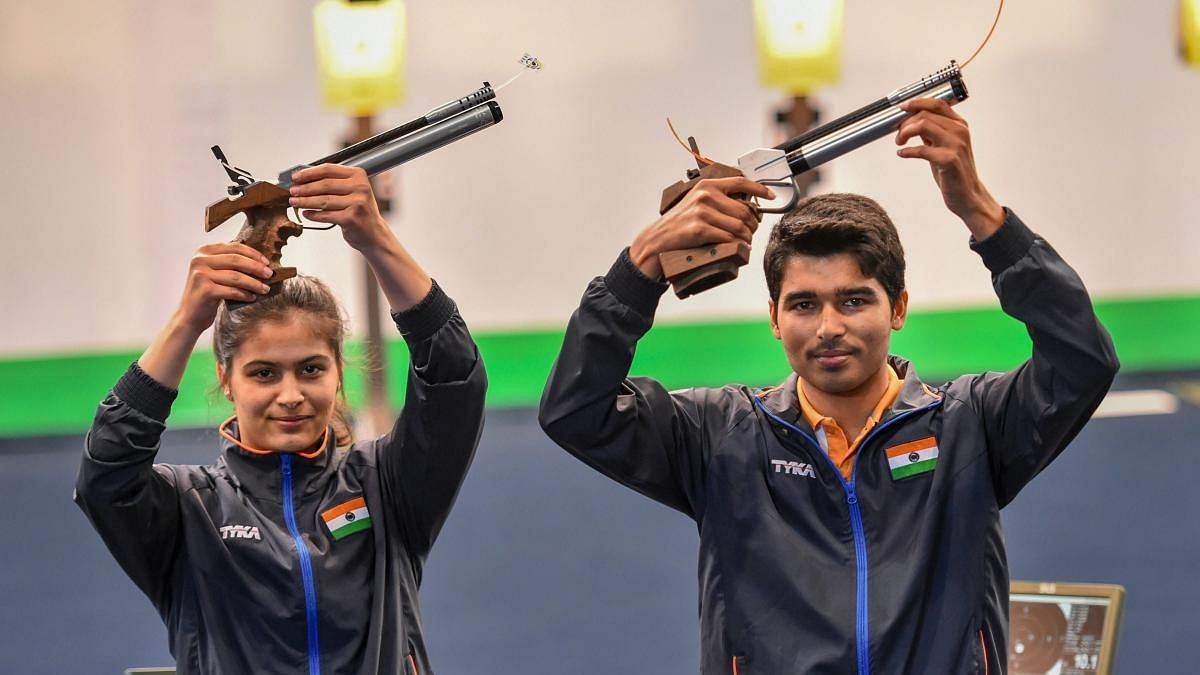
column 771, row 310
column 900, row 310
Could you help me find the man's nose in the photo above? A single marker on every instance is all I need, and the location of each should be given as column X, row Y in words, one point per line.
column 832, row 324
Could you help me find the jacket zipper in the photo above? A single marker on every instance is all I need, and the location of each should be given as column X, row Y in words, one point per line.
column 310, row 593
column 861, row 625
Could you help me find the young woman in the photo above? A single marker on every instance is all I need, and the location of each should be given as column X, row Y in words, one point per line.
column 295, row 551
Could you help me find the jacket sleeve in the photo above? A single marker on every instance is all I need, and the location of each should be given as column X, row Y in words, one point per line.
column 133, row 504
column 425, row 457
column 630, row 429
column 1032, row 412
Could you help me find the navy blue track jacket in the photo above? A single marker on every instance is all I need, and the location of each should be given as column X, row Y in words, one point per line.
column 801, row 571
column 236, row 557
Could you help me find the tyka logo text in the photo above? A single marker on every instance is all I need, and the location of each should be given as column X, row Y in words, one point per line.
column 240, row 532
column 793, row 468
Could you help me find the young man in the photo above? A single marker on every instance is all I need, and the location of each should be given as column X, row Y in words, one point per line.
column 849, row 518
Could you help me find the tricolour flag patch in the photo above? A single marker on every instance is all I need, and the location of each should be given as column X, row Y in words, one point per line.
column 347, row 518
column 910, row 459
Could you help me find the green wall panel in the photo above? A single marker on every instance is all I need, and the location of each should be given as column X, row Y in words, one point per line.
column 58, row 394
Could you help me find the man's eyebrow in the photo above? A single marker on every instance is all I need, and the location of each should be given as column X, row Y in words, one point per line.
column 856, row 290
column 799, row 295
column 840, row 292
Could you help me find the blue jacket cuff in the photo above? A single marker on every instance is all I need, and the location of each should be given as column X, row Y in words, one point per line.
column 422, row 320
column 144, row 393
column 634, row 289
column 1007, row 245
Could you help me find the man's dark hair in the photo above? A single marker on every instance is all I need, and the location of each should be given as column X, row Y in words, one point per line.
column 830, row 224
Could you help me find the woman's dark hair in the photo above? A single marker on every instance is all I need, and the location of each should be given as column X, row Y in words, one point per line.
column 830, row 224
column 322, row 312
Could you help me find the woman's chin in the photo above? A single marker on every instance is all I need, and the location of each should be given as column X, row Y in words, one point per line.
column 300, row 440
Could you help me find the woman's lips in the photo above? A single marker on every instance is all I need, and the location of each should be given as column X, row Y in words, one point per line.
column 291, row 423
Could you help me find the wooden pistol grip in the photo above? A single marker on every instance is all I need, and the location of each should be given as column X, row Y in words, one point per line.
column 695, row 270
column 257, row 194
column 267, row 228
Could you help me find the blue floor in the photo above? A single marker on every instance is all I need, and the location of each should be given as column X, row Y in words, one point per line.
column 546, row 567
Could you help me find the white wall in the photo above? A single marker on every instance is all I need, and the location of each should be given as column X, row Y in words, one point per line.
column 1083, row 120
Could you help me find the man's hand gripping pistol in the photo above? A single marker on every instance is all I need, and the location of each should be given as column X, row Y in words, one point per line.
column 695, row 270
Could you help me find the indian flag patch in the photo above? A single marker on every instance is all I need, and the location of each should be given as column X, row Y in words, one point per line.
column 910, row 459
column 348, row 518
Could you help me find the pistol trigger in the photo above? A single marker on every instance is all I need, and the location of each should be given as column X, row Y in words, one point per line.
column 300, row 221
column 794, row 193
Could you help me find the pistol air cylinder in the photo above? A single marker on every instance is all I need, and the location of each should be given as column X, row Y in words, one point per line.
column 871, row 122
column 438, row 127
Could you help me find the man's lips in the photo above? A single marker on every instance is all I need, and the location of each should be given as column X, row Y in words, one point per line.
column 831, row 358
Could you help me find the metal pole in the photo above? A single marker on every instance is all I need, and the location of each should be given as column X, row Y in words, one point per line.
column 376, row 416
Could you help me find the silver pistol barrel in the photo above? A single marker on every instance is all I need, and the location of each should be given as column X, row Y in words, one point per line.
column 871, row 122
column 428, row 139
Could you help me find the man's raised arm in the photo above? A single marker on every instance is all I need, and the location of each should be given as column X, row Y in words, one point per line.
column 632, row 429
column 1032, row 412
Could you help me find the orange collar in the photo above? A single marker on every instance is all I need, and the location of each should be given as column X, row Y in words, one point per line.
column 224, row 431
column 816, row 419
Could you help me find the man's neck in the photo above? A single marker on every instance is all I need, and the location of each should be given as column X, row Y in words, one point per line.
column 850, row 409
